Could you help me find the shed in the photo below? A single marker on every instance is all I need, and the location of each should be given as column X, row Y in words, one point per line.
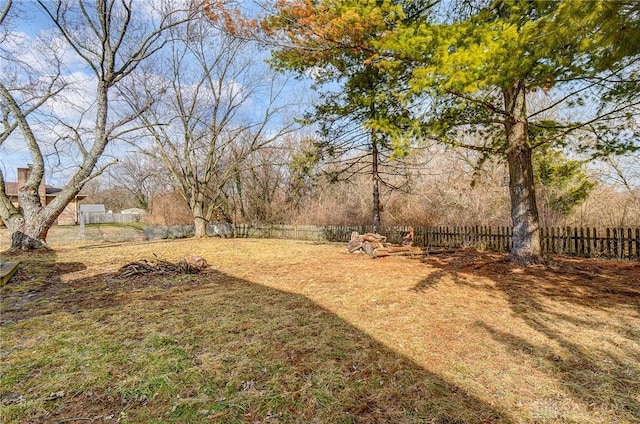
column 92, row 208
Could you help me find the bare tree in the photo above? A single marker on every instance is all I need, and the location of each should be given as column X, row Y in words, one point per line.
column 23, row 92
column 140, row 176
column 111, row 38
column 218, row 107
column 255, row 192
column 624, row 172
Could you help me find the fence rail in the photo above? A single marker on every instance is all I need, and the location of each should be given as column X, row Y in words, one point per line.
column 619, row 243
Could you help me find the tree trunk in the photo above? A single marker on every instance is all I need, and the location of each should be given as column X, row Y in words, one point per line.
column 30, row 226
column 238, row 181
column 199, row 220
column 376, row 185
column 200, row 226
column 29, row 230
column 28, row 235
column 524, row 213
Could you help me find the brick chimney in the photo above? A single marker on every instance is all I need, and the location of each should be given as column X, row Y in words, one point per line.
column 23, row 176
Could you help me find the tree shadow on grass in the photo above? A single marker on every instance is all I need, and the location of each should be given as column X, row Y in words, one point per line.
column 570, row 302
column 215, row 348
column 435, row 278
column 37, row 281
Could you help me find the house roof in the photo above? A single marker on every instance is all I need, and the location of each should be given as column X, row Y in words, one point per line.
column 11, row 188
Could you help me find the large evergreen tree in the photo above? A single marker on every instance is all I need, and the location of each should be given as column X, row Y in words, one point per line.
column 482, row 68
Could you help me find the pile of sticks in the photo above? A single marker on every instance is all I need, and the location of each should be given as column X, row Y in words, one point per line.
column 190, row 265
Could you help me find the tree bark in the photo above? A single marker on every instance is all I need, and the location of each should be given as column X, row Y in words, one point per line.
column 28, row 234
column 526, row 246
column 199, row 219
column 200, row 226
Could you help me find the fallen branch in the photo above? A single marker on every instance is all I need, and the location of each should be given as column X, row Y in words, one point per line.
column 399, row 251
column 440, row 251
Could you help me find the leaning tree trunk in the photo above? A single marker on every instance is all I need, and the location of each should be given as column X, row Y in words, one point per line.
column 526, row 246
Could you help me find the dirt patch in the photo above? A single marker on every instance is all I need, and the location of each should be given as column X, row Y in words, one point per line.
column 51, row 292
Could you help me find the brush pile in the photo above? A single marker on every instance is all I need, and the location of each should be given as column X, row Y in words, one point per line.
column 188, row 265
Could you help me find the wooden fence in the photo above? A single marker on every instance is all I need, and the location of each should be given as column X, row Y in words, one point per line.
column 295, row 232
column 618, row 243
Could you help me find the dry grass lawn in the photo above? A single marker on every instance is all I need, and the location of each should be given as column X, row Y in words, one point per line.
column 290, row 331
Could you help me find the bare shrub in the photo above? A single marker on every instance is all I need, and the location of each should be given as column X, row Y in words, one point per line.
column 607, row 207
column 169, row 208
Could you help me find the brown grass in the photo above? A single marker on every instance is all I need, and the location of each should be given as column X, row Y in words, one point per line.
column 286, row 331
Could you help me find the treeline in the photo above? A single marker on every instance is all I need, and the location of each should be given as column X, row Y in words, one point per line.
column 449, row 192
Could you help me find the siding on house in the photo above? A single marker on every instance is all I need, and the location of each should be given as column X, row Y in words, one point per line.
column 69, row 215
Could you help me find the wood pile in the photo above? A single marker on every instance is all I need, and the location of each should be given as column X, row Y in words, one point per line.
column 188, row 265
column 366, row 242
column 376, row 246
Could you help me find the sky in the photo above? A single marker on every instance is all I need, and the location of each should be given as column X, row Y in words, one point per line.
column 26, row 45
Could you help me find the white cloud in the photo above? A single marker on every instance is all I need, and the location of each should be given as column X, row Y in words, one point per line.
column 74, row 102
